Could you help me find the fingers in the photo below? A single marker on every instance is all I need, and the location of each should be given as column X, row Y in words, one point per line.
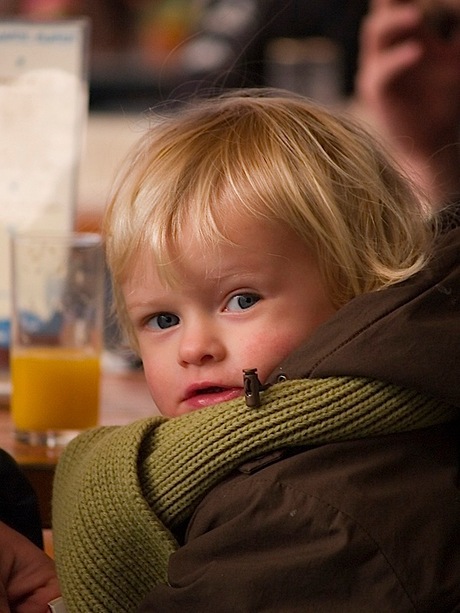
column 4, row 607
column 441, row 18
column 27, row 575
column 391, row 45
column 390, row 24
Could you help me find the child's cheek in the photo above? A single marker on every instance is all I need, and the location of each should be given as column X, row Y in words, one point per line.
column 267, row 351
column 158, row 383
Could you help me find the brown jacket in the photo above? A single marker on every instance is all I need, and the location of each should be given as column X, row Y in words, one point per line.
column 360, row 526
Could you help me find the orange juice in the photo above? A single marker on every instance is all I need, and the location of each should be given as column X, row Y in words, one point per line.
column 54, row 388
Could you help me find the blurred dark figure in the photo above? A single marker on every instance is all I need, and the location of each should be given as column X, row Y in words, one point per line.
column 408, row 88
column 18, row 503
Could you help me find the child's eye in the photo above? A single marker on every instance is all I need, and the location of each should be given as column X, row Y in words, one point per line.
column 162, row 321
column 240, row 302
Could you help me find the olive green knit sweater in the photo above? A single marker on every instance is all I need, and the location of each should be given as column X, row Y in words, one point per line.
column 120, row 492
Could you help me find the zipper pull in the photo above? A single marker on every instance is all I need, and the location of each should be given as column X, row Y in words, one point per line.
column 252, row 387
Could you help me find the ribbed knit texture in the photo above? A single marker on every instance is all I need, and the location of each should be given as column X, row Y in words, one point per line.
column 120, row 492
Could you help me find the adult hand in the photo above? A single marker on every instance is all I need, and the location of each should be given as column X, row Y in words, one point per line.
column 27, row 575
column 408, row 81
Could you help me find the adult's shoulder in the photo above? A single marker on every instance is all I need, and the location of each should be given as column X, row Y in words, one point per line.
column 345, row 526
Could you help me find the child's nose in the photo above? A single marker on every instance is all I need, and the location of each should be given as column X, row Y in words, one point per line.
column 200, row 344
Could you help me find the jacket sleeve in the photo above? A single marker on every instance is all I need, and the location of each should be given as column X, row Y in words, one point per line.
column 258, row 545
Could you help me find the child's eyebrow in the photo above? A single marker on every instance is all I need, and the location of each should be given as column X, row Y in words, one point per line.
column 138, row 304
column 243, row 268
column 225, row 275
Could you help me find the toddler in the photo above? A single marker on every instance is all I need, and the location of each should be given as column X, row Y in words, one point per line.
column 294, row 314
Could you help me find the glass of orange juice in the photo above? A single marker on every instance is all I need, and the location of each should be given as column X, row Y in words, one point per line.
column 57, row 289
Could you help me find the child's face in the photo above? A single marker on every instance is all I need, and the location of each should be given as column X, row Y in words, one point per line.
column 235, row 307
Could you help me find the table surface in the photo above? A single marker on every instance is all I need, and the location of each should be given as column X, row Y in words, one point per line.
column 124, row 398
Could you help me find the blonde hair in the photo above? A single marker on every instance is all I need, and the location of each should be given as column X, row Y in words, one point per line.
column 268, row 155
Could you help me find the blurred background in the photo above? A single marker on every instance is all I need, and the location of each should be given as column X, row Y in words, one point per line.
column 143, row 52
column 146, row 53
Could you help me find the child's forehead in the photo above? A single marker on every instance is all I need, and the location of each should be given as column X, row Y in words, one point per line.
column 244, row 245
column 234, row 232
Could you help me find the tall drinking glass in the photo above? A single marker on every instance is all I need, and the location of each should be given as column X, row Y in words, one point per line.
column 57, row 335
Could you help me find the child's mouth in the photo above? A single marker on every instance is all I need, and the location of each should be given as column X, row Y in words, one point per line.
column 210, row 390
column 214, row 394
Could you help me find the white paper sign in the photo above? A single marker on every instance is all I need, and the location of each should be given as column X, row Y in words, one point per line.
column 43, row 114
